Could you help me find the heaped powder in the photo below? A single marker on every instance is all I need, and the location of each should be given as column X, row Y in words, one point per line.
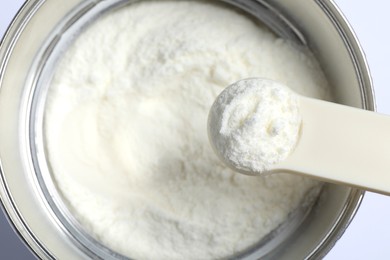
column 254, row 124
column 126, row 130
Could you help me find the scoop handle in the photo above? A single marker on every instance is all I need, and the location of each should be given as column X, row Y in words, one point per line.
column 342, row 144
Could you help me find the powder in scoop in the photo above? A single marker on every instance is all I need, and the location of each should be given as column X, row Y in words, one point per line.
column 254, row 124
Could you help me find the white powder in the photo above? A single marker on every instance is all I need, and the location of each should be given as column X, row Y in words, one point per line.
column 254, row 124
column 126, row 130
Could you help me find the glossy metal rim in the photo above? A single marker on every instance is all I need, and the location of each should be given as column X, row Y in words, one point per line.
column 8, row 203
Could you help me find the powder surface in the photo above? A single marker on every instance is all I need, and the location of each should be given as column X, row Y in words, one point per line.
column 126, row 130
column 254, row 124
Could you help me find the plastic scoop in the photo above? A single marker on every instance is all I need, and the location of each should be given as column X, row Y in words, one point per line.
column 338, row 144
column 341, row 144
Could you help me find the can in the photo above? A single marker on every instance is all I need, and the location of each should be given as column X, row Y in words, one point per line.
column 29, row 46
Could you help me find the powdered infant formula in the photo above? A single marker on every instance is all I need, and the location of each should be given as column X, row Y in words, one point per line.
column 254, row 124
column 126, row 129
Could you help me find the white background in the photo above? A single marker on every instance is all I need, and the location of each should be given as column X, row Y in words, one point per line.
column 368, row 236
